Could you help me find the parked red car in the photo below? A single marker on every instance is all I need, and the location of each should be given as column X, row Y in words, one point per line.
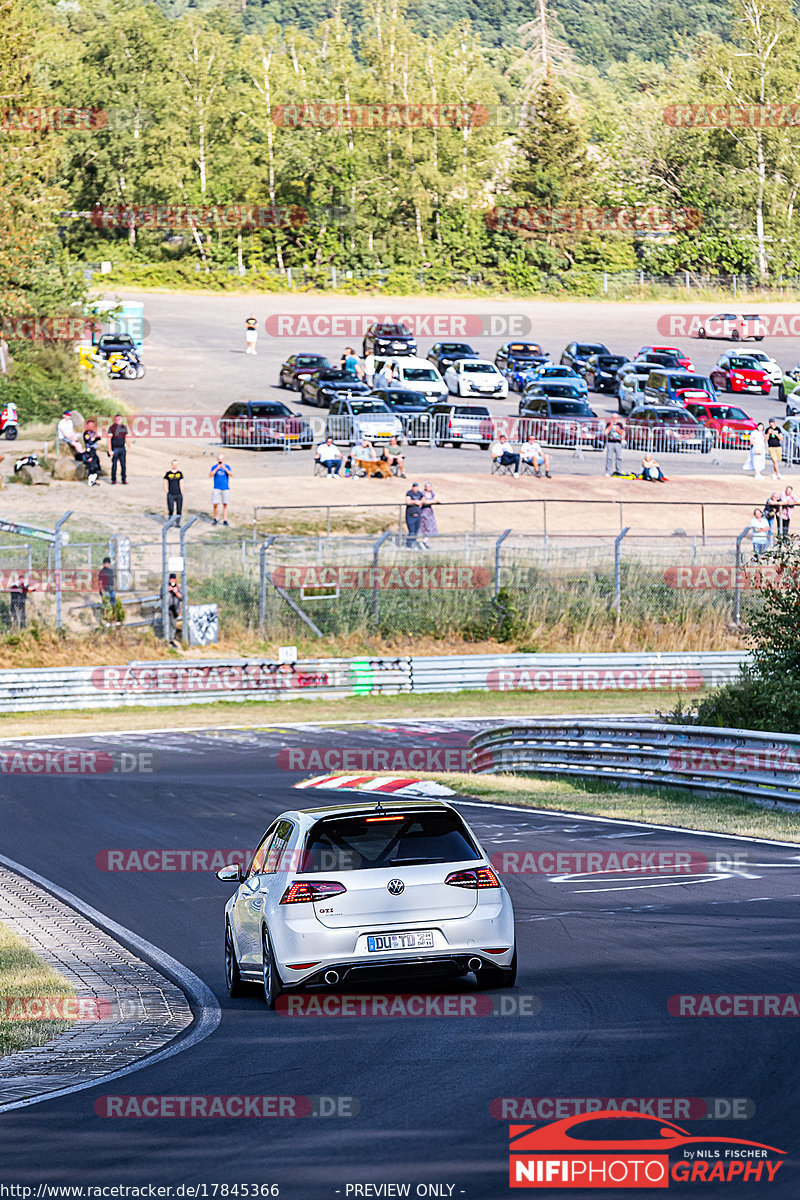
column 680, row 357
column 740, row 373
column 730, row 424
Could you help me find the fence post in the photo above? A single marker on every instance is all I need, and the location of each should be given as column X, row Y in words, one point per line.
column 57, row 542
column 618, row 571
column 165, row 528
column 333, row 276
column 734, row 287
column 737, row 587
column 185, row 582
column 262, row 585
column 497, row 547
column 376, row 549
column 688, row 287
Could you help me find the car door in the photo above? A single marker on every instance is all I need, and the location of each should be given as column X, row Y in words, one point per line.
column 248, row 904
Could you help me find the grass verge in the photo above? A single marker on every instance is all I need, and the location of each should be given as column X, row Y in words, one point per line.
column 22, row 974
column 716, row 813
column 406, row 706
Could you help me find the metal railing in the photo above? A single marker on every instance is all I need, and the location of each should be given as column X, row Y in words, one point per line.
column 267, row 433
column 761, row 766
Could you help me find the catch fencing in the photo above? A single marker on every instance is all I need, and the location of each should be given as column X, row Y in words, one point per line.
column 460, row 428
column 761, row 766
column 170, row 684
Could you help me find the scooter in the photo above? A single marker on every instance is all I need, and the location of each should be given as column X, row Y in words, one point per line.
column 9, row 422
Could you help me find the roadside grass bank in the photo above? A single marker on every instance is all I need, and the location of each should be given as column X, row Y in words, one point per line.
column 714, row 812
column 259, row 714
column 23, row 975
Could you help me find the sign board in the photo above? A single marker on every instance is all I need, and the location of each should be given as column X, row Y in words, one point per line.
column 175, row 564
column 287, row 654
column 203, row 620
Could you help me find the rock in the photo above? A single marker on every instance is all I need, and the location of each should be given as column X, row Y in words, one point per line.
column 33, row 475
column 69, row 468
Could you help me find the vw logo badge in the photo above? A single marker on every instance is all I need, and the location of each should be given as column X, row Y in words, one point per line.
column 395, row 887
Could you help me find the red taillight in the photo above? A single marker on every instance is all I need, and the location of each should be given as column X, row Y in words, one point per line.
column 399, row 817
column 301, row 893
column 308, row 966
column 480, row 877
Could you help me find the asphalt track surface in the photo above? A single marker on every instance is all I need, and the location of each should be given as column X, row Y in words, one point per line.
column 603, row 954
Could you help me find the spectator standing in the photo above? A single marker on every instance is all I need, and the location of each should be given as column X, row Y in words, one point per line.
column 504, row 453
column 221, row 475
column 18, row 597
column 105, row 582
column 760, row 533
column 174, row 601
column 350, row 360
column 413, row 514
column 788, row 501
column 251, row 333
column 756, row 460
column 427, row 525
column 91, row 440
column 615, row 440
column 774, row 443
column 531, row 452
column 330, row 456
column 117, row 436
column 771, row 512
column 173, row 491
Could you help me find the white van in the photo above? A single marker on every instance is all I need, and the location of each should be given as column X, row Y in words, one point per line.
column 418, row 375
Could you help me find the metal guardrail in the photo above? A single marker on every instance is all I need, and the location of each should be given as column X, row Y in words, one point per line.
column 169, row 683
column 761, row 766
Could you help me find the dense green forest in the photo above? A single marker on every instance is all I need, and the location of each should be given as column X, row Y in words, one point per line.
column 190, row 126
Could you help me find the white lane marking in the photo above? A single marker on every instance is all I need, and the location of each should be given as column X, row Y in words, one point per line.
column 556, row 813
column 634, row 886
column 197, row 992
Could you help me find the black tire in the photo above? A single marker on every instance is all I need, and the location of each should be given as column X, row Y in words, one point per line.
column 781, row 392
column 141, row 370
column 11, row 433
column 497, row 977
column 728, row 387
column 281, row 384
column 269, row 972
column 735, row 335
column 233, row 980
column 484, row 445
column 701, row 333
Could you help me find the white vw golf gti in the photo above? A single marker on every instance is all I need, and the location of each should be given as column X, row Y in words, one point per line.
column 361, row 892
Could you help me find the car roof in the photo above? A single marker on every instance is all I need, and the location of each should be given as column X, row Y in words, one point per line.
column 368, row 808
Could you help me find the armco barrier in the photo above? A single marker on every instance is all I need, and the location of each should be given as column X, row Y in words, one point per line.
column 205, row 681
column 762, row 766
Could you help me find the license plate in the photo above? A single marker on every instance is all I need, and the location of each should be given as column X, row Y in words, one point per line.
column 398, row 941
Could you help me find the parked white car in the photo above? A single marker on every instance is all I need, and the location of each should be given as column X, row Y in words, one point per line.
column 773, row 369
column 363, row 891
column 475, row 377
column 418, row 375
column 351, row 419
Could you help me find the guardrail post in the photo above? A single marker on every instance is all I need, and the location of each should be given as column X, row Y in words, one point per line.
column 262, row 585
column 57, row 543
column 165, row 528
column 618, row 571
column 376, row 549
column 497, row 547
column 737, row 586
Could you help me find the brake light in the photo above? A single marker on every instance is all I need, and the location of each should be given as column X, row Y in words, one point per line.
column 398, row 817
column 479, row 877
column 302, row 893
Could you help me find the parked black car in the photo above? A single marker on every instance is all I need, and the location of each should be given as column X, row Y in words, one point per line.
column 413, row 409
column 323, row 386
column 299, row 367
column 385, row 338
column 577, row 354
column 601, row 371
column 560, row 419
column 264, row 425
column 444, row 354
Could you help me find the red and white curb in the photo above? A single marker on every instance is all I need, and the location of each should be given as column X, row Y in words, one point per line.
column 400, row 785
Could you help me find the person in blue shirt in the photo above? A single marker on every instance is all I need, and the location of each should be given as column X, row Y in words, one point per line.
column 350, row 360
column 220, row 473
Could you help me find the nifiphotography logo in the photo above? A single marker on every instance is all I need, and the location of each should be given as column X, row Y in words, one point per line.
column 614, row 1149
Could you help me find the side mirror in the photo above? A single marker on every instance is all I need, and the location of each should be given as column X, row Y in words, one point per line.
column 230, row 874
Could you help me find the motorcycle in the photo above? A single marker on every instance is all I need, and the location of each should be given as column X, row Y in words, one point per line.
column 9, row 422
column 125, row 365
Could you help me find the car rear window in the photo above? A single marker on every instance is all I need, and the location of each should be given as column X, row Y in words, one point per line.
column 697, row 382
column 563, row 389
column 462, row 411
column 370, row 842
column 420, row 374
column 311, row 360
column 590, row 348
column 369, row 405
column 563, row 408
column 270, row 410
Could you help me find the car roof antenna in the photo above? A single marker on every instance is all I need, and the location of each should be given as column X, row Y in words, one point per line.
column 379, row 807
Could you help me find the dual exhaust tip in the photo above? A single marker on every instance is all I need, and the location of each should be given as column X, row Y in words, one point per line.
column 332, row 977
